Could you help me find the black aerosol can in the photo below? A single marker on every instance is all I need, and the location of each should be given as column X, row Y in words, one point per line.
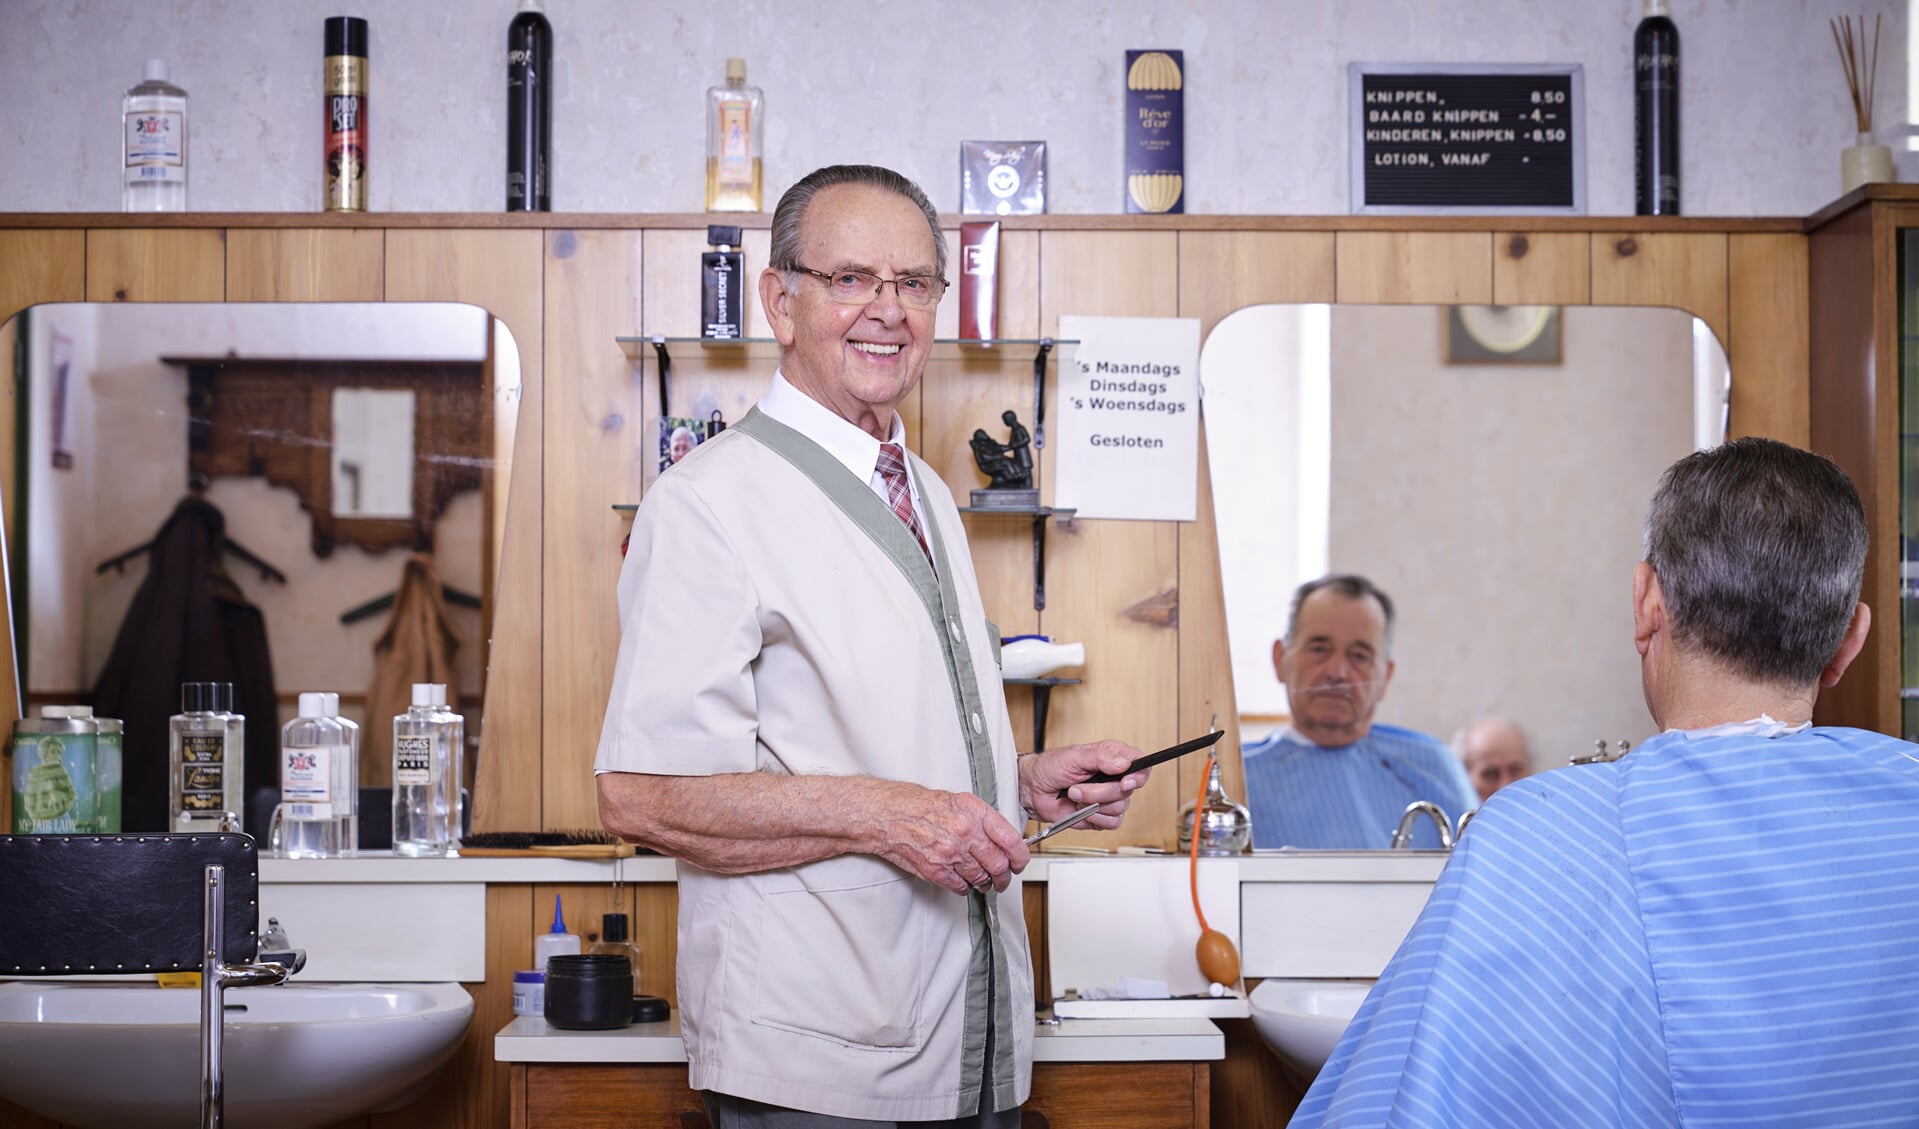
column 1655, row 51
column 529, row 110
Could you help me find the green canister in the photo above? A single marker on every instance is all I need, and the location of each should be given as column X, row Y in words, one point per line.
column 108, row 733
column 55, row 765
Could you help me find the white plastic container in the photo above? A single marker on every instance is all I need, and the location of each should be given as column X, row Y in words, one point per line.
column 1037, row 656
column 554, row 942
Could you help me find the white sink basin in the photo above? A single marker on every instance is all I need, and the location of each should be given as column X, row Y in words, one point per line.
column 1302, row 1020
column 108, row 1055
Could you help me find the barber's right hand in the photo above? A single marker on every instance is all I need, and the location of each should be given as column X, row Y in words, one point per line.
column 954, row 840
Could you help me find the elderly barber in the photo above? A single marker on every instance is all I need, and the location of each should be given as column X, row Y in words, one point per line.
column 807, row 713
column 1718, row 929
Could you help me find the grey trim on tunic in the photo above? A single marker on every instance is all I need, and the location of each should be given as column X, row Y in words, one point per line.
column 876, row 519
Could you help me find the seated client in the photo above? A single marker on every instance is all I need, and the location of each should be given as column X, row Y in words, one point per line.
column 1721, row 927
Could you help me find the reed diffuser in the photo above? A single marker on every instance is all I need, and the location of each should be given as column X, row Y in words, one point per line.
column 1863, row 162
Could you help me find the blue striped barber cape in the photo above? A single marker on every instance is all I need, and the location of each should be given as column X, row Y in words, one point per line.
column 1350, row 797
column 1713, row 931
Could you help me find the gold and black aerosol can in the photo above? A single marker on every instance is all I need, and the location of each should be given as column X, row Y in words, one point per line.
column 346, row 137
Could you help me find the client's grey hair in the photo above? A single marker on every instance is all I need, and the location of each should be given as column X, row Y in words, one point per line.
column 1759, row 548
column 787, row 217
column 1348, row 584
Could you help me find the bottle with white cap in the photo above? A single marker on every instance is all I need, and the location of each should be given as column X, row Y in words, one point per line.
column 153, row 128
column 319, row 784
column 428, row 742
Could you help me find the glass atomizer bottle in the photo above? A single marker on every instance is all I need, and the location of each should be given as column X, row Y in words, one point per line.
column 319, row 784
column 733, row 143
column 428, row 746
column 206, row 759
column 153, row 121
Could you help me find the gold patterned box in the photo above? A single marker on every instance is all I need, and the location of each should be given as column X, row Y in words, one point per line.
column 1155, row 131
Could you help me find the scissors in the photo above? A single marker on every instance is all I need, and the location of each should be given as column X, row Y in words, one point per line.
column 1146, row 761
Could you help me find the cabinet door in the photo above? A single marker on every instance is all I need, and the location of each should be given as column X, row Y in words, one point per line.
column 1128, row 1095
column 626, row 1096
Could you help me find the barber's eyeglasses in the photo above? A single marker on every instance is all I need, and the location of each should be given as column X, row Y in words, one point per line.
column 858, row 287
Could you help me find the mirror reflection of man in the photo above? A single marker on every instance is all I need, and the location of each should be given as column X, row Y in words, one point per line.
column 1494, row 753
column 1333, row 778
column 680, row 444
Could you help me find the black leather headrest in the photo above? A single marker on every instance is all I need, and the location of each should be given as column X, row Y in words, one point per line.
column 128, row 903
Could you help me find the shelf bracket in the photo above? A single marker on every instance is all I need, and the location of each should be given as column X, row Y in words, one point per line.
column 666, row 370
column 1039, row 562
column 1042, row 701
column 1039, row 392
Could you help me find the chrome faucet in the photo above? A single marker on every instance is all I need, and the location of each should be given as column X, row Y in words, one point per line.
column 1459, row 829
column 276, row 948
column 1403, row 837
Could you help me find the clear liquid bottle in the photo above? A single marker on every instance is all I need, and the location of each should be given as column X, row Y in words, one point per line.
column 319, row 784
column 206, row 759
column 153, row 130
column 428, row 744
column 733, row 143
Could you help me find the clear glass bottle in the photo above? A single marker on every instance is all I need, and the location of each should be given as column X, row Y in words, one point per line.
column 206, row 759
column 319, row 784
column 153, row 131
column 733, row 143
column 428, row 746
column 614, row 941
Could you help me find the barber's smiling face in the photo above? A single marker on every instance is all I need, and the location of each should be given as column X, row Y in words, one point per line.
column 1336, row 668
column 858, row 360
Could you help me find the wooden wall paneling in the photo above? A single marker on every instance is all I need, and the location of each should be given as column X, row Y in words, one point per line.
column 500, row 270
column 340, row 264
column 517, row 1086
column 1538, row 268
column 1769, row 347
column 731, row 378
column 472, row 1090
column 1846, row 305
column 1114, row 585
column 597, row 443
column 1223, row 271
column 1683, row 270
column 1033, row 902
column 1251, row 1087
column 174, row 264
column 611, row 1097
column 41, row 266
column 655, row 922
column 1444, row 267
column 966, row 389
column 1220, row 272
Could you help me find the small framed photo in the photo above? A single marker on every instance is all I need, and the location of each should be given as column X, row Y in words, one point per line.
column 1480, row 335
column 678, row 436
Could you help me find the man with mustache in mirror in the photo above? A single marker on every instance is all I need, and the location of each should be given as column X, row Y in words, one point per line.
column 1721, row 927
column 807, row 713
column 1332, row 778
column 1494, row 752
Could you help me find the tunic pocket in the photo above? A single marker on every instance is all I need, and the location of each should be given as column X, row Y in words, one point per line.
column 843, row 953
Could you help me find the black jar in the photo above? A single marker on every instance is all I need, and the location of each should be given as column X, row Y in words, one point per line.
column 593, row 992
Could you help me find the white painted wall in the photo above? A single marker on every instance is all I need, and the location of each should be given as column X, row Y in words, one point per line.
column 1764, row 105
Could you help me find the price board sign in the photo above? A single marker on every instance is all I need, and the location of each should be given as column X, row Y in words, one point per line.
column 1476, row 138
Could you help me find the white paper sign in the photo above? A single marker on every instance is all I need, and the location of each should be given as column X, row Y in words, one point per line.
column 1127, row 434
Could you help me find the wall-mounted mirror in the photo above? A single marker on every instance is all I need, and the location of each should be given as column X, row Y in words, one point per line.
column 1498, row 500
column 291, row 497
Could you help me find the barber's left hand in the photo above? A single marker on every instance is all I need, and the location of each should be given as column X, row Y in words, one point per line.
column 1043, row 776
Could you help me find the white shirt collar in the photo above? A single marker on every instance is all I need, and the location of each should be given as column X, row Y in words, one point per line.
column 846, row 442
column 1761, row 726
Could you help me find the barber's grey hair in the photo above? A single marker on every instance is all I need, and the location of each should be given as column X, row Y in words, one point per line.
column 1759, row 548
column 1348, row 584
column 788, row 216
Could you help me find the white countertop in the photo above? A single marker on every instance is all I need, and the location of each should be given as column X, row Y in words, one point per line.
column 529, row 1039
column 384, row 867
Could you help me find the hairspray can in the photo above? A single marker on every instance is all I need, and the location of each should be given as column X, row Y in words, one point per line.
column 529, row 109
column 346, row 114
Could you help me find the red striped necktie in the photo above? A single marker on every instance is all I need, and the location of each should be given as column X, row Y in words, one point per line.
column 892, row 467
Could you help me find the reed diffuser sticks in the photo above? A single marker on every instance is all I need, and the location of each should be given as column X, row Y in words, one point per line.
column 1861, row 63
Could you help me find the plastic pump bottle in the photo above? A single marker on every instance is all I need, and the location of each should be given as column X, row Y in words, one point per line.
column 556, row 941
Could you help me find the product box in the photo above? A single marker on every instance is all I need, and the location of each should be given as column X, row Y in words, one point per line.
column 1003, row 178
column 979, row 281
column 722, row 296
column 1155, row 131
